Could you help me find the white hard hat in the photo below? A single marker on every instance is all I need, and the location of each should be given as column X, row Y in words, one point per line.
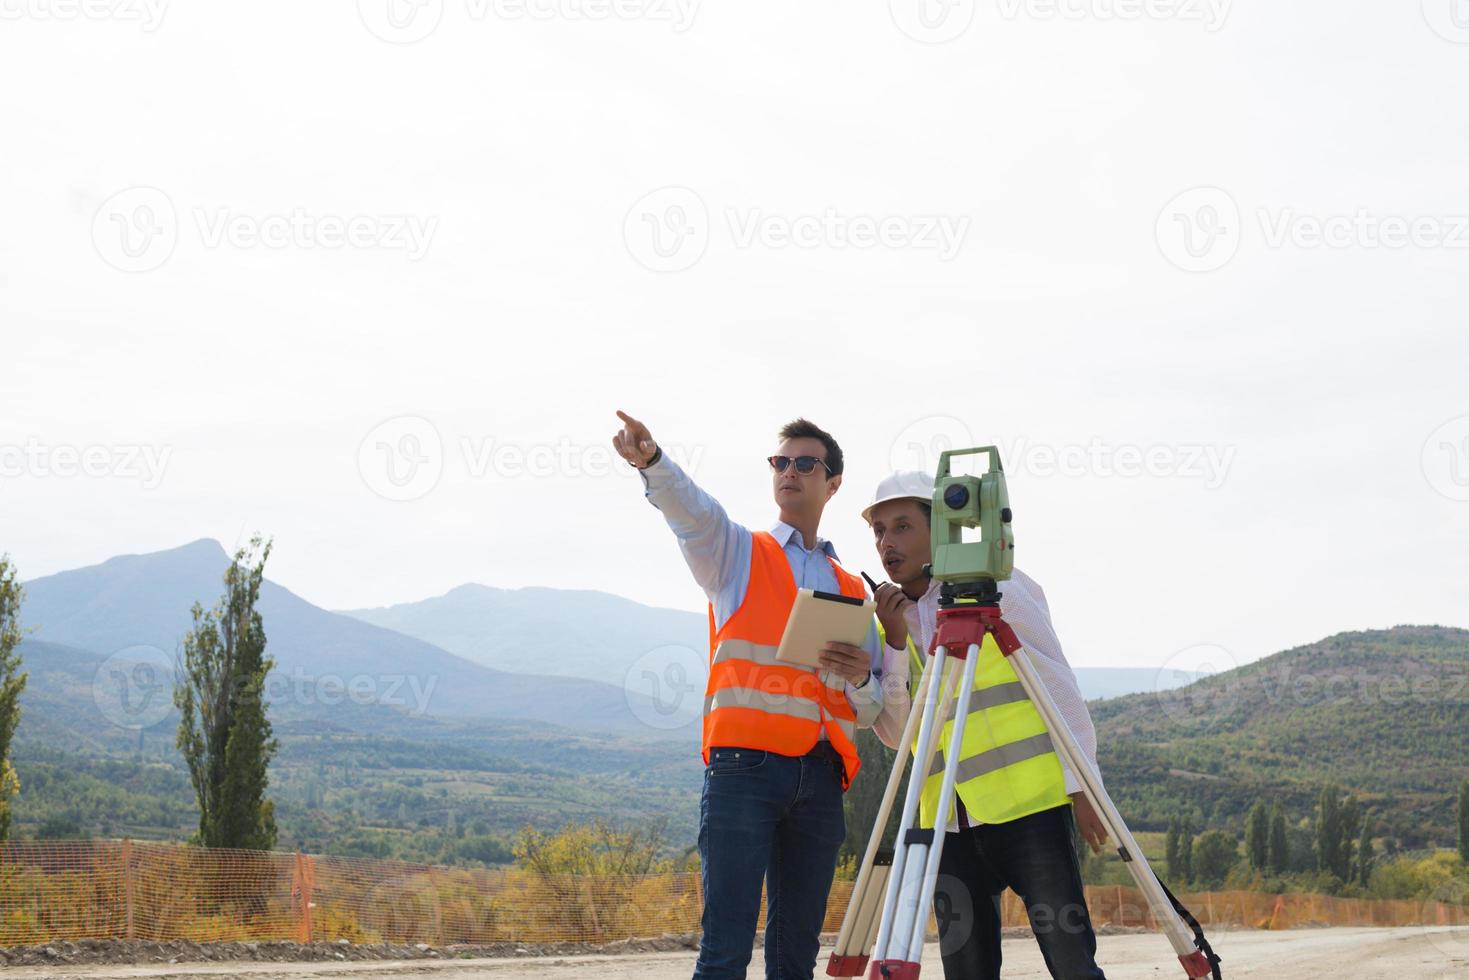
column 900, row 486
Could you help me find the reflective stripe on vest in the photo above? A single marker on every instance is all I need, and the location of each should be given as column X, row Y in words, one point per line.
column 754, row 701
column 1008, row 767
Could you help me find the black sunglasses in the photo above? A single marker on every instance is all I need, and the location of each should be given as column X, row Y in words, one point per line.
column 804, row 464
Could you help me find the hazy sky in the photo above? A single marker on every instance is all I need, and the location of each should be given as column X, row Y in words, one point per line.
column 1200, row 268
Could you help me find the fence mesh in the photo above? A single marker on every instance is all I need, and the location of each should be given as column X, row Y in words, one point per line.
column 68, row 890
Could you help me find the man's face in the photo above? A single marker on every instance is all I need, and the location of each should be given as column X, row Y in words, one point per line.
column 803, row 493
column 900, row 530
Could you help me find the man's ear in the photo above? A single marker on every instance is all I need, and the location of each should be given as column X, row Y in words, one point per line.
column 832, row 485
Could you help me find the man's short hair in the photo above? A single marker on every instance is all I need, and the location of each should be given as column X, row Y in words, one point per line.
column 805, row 429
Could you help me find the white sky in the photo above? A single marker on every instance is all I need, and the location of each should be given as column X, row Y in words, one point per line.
column 1054, row 144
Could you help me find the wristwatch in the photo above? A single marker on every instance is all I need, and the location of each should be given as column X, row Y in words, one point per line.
column 657, row 455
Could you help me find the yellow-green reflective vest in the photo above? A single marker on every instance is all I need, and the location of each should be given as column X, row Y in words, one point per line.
column 1008, row 768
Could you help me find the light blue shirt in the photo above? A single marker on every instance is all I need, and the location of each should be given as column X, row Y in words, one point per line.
column 718, row 551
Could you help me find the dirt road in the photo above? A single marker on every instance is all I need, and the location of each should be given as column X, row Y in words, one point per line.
column 1343, row 954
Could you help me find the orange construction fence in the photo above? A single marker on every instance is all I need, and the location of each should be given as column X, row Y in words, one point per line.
column 56, row 890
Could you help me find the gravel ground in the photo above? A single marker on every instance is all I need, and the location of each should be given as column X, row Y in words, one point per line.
column 1412, row 953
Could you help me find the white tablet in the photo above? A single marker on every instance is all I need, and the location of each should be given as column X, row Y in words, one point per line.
column 819, row 618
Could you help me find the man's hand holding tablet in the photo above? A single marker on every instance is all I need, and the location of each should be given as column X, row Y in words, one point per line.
column 825, row 631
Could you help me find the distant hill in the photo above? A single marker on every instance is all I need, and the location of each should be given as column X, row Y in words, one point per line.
column 560, row 632
column 601, row 636
column 1383, row 713
column 134, row 601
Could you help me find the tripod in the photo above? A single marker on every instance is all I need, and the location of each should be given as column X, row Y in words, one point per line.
column 905, row 877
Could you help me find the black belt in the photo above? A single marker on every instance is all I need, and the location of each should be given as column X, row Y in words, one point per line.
column 823, row 749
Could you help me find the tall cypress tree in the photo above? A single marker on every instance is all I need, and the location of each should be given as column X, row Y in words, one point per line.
column 224, row 734
column 1186, row 850
column 1175, row 870
column 1364, row 854
column 1279, row 842
column 1257, row 836
column 1351, row 824
column 12, row 682
column 1328, row 829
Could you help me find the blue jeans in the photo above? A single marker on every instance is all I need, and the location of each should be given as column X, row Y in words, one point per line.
column 771, row 818
column 1034, row 856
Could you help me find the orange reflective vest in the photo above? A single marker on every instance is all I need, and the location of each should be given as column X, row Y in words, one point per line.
column 754, row 701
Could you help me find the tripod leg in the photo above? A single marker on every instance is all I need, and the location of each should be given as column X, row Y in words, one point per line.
column 849, row 955
column 945, row 803
column 1179, row 935
column 936, row 690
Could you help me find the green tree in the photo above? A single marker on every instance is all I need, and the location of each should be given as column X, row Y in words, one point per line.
column 1257, row 836
column 1464, row 820
column 1175, row 869
column 12, row 682
column 1214, row 853
column 1328, row 830
column 224, row 734
column 863, row 799
column 1186, row 851
column 1364, row 854
column 1351, row 825
column 1279, row 842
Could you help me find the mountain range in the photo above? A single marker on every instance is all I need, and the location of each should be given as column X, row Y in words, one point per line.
column 603, row 637
column 501, row 706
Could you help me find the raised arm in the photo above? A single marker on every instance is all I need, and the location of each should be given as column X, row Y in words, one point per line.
column 716, row 549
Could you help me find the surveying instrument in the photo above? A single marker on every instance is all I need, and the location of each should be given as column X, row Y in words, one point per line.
column 887, row 916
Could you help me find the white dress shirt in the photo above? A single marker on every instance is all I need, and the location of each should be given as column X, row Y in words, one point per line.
column 1023, row 605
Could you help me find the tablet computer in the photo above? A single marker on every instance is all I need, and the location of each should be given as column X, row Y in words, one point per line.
column 819, row 618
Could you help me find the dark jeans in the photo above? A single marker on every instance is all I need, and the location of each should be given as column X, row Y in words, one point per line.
column 1035, row 857
column 771, row 818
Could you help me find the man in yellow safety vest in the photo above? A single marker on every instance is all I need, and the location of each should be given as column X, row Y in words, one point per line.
column 1011, row 825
